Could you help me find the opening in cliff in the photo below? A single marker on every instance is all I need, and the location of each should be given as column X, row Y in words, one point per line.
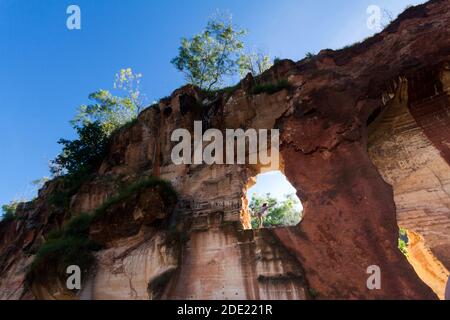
column 408, row 157
column 273, row 202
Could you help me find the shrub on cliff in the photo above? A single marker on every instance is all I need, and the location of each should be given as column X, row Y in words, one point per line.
column 96, row 122
column 271, row 88
column 78, row 159
column 310, row 55
column 165, row 188
column 69, row 246
column 81, row 154
column 403, row 242
column 9, row 211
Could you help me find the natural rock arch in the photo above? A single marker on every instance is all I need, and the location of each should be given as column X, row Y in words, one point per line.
column 349, row 219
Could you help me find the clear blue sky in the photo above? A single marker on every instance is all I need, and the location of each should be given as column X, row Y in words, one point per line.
column 47, row 71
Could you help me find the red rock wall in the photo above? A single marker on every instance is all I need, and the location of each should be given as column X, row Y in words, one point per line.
column 225, row 263
column 350, row 211
column 408, row 144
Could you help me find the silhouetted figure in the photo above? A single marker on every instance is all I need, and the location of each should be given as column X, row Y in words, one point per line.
column 262, row 214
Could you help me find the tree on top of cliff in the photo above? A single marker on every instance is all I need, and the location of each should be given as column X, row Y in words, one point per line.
column 95, row 123
column 111, row 111
column 9, row 211
column 130, row 82
column 82, row 154
column 211, row 55
column 254, row 63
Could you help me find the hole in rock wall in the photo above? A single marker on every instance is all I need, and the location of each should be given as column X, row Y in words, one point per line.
column 399, row 145
column 272, row 202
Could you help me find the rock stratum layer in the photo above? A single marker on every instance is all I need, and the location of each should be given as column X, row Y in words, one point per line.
column 364, row 140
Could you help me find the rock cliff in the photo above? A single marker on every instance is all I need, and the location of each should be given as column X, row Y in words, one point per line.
column 364, row 140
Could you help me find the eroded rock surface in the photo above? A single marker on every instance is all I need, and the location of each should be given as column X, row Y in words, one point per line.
column 353, row 183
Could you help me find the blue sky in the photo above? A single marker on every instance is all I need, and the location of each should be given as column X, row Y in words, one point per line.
column 47, row 71
column 275, row 183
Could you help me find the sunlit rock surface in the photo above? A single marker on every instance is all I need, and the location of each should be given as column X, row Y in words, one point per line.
column 364, row 140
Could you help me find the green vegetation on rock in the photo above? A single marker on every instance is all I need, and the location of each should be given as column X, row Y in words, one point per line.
column 167, row 192
column 71, row 245
column 403, row 241
column 211, row 55
column 254, row 63
column 216, row 53
column 113, row 111
column 9, row 211
column 271, row 88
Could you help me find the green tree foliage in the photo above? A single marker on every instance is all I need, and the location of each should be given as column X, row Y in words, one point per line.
column 130, row 82
column 254, row 63
column 208, row 57
column 271, row 88
column 113, row 111
column 82, row 154
column 109, row 111
column 403, row 241
column 69, row 246
column 9, row 211
column 95, row 122
column 284, row 213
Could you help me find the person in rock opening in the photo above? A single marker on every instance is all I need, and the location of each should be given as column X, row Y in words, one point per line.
column 262, row 214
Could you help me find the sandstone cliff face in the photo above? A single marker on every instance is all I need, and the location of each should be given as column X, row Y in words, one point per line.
column 221, row 262
column 413, row 161
column 363, row 140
